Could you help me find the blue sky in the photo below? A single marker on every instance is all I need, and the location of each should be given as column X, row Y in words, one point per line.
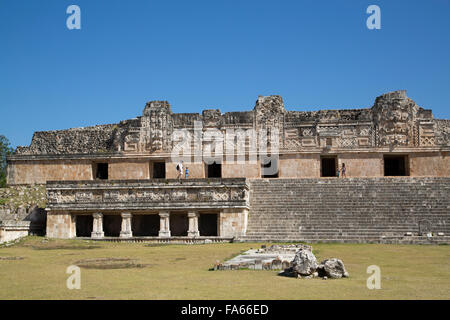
column 213, row 54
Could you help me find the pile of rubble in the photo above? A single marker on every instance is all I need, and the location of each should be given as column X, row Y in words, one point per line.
column 305, row 266
column 296, row 260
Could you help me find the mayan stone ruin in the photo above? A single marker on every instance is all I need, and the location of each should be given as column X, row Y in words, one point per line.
column 267, row 174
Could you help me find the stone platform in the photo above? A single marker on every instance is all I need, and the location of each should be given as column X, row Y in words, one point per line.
column 276, row 257
column 169, row 240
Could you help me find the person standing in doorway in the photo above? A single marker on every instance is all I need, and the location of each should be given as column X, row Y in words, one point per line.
column 343, row 171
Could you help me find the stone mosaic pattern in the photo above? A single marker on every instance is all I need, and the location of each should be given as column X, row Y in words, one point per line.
column 393, row 120
column 164, row 194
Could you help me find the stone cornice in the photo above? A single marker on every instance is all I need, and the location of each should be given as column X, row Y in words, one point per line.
column 143, row 156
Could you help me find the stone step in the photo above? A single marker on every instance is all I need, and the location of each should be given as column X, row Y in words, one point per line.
column 352, row 208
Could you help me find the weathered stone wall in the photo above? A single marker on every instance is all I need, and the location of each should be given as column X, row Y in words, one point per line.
column 24, row 197
column 430, row 164
column 20, row 207
column 61, row 225
column 362, row 165
column 236, row 170
column 11, row 230
column 394, row 124
column 299, row 166
column 39, row 172
column 128, row 169
column 233, row 223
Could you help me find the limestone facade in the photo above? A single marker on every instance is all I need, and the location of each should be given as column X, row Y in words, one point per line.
column 110, row 180
column 360, row 138
column 226, row 199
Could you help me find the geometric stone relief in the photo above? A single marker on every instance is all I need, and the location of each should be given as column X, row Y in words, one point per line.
column 394, row 119
column 426, row 134
column 347, row 142
column 163, row 194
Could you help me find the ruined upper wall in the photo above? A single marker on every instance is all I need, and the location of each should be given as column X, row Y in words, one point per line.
column 393, row 120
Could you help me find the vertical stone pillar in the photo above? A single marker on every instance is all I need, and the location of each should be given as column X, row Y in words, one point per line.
column 193, row 224
column 97, row 226
column 126, row 232
column 164, row 224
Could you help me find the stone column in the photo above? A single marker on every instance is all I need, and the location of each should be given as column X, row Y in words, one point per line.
column 164, row 224
column 97, row 226
column 193, row 224
column 126, row 225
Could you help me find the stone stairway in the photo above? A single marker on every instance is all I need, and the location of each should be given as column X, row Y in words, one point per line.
column 349, row 210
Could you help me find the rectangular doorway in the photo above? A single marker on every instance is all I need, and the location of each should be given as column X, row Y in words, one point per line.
column 396, row 165
column 207, row 224
column 100, row 171
column 112, row 224
column 214, row 170
column 179, row 224
column 84, row 225
column 328, row 166
column 158, row 170
column 269, row 169
column 145, row 225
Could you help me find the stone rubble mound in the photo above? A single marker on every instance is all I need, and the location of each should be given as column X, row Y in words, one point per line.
column 305, row 266
column 332, row 268
column 297, row 260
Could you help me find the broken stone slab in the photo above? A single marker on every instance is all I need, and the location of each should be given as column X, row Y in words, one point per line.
column 332, row 268
column 275, row 257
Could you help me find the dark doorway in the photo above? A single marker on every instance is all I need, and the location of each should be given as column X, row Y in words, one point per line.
column 395, row 166
column 112, row 224
column 84, row 225
column 328, row 166
column 214, row 170
column 159, row 170
column 145, row 225
column 269, row 169
column 100, row 171
column 207, row 224
column 178, row 224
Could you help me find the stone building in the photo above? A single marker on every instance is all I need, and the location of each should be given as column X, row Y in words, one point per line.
column 120, row 180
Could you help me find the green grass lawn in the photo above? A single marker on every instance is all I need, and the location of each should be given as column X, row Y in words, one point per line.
column 182, row 272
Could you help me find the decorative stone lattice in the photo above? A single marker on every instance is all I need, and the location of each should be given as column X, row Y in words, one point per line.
column 394, row 120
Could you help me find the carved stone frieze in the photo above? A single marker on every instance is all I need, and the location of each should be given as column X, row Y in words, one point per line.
column 223, row 193
column 393, row 120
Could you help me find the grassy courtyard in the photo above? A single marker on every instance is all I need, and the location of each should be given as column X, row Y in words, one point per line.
column 36, row 269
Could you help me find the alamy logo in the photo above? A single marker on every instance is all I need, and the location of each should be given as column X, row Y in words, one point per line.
column 374, row 281
column 74, row 281
column 74, row 20
column 233, row 146
column 374, row 20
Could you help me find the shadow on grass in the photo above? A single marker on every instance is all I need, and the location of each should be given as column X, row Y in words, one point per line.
column 63, row 247
column 110, row 263
column 11, row 258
